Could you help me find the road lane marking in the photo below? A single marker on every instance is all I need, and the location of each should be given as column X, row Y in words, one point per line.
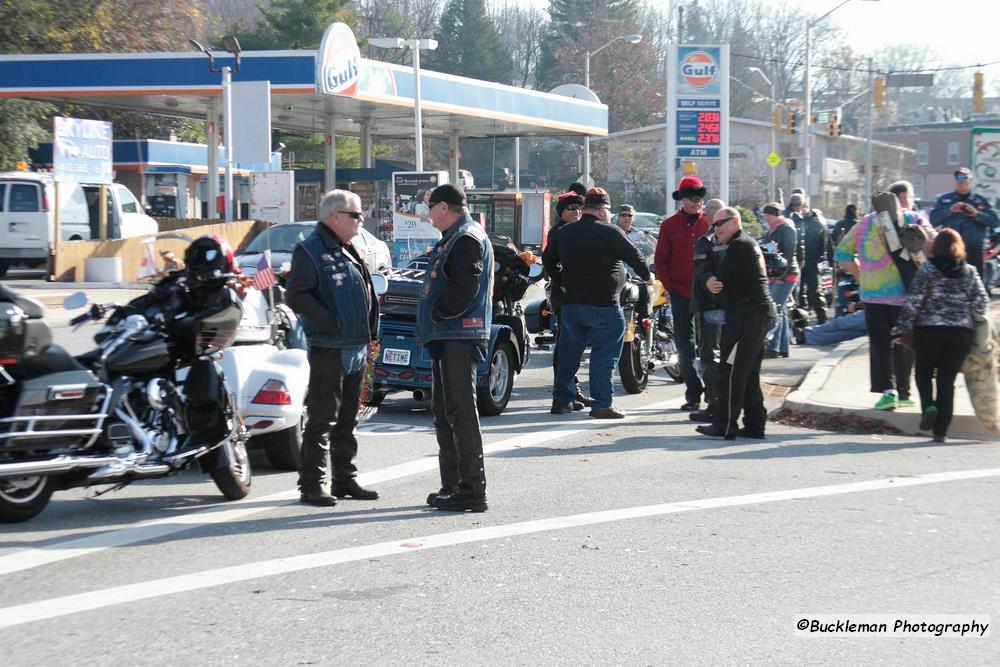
column 156, row 528
column 108, row 597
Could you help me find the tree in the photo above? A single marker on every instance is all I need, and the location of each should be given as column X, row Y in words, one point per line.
column 469, row 44
column 292, row 24
column 22, row 128
column 522, row 38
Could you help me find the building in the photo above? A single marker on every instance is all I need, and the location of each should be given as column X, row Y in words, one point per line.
column 941, row 148
column 636, row 166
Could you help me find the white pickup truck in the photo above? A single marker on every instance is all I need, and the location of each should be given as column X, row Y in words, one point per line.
column 27, row 215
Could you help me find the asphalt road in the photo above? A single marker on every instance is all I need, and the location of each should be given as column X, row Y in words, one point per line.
column 633, row 543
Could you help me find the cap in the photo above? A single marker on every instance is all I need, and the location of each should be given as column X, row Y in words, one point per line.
column 452, row 195
column 963, row 173
column 690, row 186
column 626, row 208
column 597, row 197
column 772, row 209
column 578, row 188
column 567, row 199
column 795, row 200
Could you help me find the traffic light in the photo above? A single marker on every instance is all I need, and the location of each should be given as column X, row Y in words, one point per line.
column 790, row 123
column 833, row 125
column 879, row 91
column 977, row 93
column 777, row 117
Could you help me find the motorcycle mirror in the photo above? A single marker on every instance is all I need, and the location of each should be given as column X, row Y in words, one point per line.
column 535, row 270
column 380, row 284
column 74, row 301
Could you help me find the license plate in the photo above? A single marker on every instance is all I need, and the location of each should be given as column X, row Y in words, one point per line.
column 396, row 357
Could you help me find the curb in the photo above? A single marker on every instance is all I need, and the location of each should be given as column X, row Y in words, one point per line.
column 962, row 426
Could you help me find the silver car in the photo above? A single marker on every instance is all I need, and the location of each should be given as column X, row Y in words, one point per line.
column 282, row 239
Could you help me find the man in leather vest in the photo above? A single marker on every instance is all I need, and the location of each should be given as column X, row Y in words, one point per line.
column 454, row 316
column 330, row 288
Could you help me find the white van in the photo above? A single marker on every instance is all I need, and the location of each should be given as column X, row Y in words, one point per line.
column 27, row 215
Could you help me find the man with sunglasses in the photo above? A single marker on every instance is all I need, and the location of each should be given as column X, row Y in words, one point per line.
column 569, row 206
column 969, row 214
column 740, row 283
column 330, row 288
column 674, row 260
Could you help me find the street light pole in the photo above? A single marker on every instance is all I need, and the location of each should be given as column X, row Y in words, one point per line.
column 774, row 130
column 415, row 46
column 807, row 94
column 631, row 39
column 868, row 142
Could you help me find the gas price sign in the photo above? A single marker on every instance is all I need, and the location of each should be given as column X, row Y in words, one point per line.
column 699, row 123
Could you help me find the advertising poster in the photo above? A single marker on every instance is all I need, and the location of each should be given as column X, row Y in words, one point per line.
column 412, row 231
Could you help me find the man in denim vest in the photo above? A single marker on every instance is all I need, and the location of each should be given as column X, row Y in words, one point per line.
column 453, row 322
column 331, row 290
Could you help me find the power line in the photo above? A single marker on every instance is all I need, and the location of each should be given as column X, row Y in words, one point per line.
column 840, row 68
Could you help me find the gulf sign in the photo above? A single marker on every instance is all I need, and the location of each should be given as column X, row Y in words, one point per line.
column 698, row 70
column 338, row 62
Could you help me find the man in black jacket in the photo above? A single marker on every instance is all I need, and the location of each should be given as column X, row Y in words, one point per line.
column 329, row 286
column 588, row 259
column 817, row 249
column 741, row 282
column 568, row 209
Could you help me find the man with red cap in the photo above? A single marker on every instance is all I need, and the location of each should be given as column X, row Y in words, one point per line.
column 674, row 260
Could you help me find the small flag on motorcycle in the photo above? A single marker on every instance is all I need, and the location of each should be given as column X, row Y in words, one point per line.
column 264, row 277
column 147, row 268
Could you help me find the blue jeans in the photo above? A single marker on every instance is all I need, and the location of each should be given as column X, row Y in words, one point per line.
column 781, row 332
column 603, row 328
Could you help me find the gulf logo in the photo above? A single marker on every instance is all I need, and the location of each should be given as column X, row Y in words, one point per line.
column 338, row 62
column 699, row 69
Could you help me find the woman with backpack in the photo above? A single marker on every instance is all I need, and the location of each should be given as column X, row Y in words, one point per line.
column 945, row 297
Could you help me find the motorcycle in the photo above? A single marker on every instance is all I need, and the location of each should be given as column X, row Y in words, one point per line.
column 268, row 375
column 117, row 414
column 649, row 339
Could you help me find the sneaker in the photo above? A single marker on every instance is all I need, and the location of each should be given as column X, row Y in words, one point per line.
column 905, row 403
column 928, row 418
column 940, row 438
column 887, row 402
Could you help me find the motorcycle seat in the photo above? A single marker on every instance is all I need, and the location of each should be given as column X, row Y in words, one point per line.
column 53, row 359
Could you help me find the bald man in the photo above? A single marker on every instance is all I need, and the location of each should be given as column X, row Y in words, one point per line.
column 741, row 284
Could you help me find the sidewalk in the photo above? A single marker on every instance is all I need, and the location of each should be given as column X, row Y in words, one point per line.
column 51, row 295
column 839, row 383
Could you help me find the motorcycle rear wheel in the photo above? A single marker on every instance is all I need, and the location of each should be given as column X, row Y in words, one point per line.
column 634, row 375
column 24, row 498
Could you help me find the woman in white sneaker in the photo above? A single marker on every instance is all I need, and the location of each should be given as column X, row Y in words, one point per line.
column 945, row 295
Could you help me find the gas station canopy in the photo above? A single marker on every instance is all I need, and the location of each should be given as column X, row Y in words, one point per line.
column 180, row 84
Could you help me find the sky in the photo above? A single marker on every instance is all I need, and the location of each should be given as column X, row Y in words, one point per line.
column 964, row 37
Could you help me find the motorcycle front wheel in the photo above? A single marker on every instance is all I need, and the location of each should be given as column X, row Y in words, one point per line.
column 24, row 498
column 632, row 369
column 234, row 480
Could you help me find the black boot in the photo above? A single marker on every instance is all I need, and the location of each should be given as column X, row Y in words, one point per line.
column 351, row 489
column 717, row 431
column 317, row 497
column 461, row 501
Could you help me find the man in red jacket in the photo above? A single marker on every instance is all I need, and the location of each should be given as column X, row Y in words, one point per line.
column 674, row 261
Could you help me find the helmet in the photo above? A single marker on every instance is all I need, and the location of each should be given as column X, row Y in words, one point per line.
column 210, row 256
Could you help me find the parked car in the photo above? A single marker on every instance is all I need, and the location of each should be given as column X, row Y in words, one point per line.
column 647, row 222
column 466, row 179
column 530, row 179
column 282, row 239
column 497, row 178
column 28, row 208
column 405, row 364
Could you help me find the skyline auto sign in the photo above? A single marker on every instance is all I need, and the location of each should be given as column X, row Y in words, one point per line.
column 81, row 150
column 338, row 62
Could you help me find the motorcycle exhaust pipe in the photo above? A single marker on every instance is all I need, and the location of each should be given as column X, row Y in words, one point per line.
column 421, row 394
column 56, row 466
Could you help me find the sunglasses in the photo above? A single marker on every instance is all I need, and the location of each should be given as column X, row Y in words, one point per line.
column 961, row 177
column 357, row 215
column 624, row 215
column 719, row 223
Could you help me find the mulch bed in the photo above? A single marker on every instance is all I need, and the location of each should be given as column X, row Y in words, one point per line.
column 840, row 422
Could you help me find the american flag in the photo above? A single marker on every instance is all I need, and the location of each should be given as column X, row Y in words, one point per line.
column 264, row 277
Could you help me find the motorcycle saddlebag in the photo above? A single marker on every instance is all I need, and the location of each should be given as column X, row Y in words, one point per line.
column 57, row 410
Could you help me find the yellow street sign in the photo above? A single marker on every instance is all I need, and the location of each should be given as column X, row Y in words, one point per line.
column 773, row 159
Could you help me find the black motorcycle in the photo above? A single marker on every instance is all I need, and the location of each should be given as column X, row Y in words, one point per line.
column 119, row 413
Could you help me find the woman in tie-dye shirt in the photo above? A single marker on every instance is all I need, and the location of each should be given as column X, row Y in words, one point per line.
column 864, row 252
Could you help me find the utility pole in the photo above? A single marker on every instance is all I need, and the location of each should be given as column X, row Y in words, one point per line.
column 868, row 143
